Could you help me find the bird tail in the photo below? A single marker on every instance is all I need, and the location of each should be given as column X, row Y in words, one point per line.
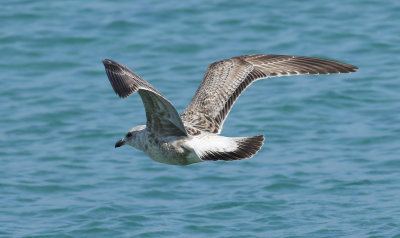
column 236, row 148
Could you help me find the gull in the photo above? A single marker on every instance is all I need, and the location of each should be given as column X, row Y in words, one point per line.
column 195, row 136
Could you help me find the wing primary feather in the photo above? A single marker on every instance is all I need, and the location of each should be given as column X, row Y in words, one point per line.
column 161, row 115
column 225, row 81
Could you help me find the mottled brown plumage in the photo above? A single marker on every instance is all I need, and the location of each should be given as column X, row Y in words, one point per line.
column 193, row 136
column 225, row 80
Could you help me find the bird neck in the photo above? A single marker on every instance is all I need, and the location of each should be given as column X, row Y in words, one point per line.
column 141, row 140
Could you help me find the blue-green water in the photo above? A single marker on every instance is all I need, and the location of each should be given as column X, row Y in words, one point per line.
column 330, row 166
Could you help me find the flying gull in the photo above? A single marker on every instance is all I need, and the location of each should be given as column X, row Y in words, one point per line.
column 194, row 136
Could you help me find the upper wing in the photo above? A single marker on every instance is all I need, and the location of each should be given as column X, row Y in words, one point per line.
column 162, row 117
column 225, row 80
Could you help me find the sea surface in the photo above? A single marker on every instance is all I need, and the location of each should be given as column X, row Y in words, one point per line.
column 330, row 166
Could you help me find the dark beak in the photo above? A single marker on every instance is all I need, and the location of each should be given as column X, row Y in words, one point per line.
column 119, row 143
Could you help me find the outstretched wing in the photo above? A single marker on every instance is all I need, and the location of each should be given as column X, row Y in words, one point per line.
column 225, row 80
column 162, row 117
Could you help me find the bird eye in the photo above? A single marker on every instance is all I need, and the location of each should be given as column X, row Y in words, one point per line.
column 129, row 134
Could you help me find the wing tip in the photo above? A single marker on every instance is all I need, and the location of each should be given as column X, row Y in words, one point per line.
column 111, row 64
column 120, row 87
column 108, row 62
column 350, row 69
column 114, row 65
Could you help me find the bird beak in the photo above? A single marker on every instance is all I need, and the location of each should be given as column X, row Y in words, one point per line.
column 119, row 143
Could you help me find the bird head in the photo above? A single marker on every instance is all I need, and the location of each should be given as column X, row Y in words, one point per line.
column 132, row 137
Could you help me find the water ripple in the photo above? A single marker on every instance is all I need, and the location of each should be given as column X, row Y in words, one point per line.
column 330, row 164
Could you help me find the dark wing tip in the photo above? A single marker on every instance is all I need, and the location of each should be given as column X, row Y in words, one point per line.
column 323, row 66
column 354, row 68
column 107, row 61
column 122, row 83
column 349, row 67
column 113, row 65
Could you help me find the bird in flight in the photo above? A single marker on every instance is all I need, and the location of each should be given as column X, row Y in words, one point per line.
column 195, row 136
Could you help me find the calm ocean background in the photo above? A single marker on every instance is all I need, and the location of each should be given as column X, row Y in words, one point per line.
column 330, row 166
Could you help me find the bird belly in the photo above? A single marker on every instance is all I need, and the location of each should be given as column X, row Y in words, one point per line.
column 172, row 152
